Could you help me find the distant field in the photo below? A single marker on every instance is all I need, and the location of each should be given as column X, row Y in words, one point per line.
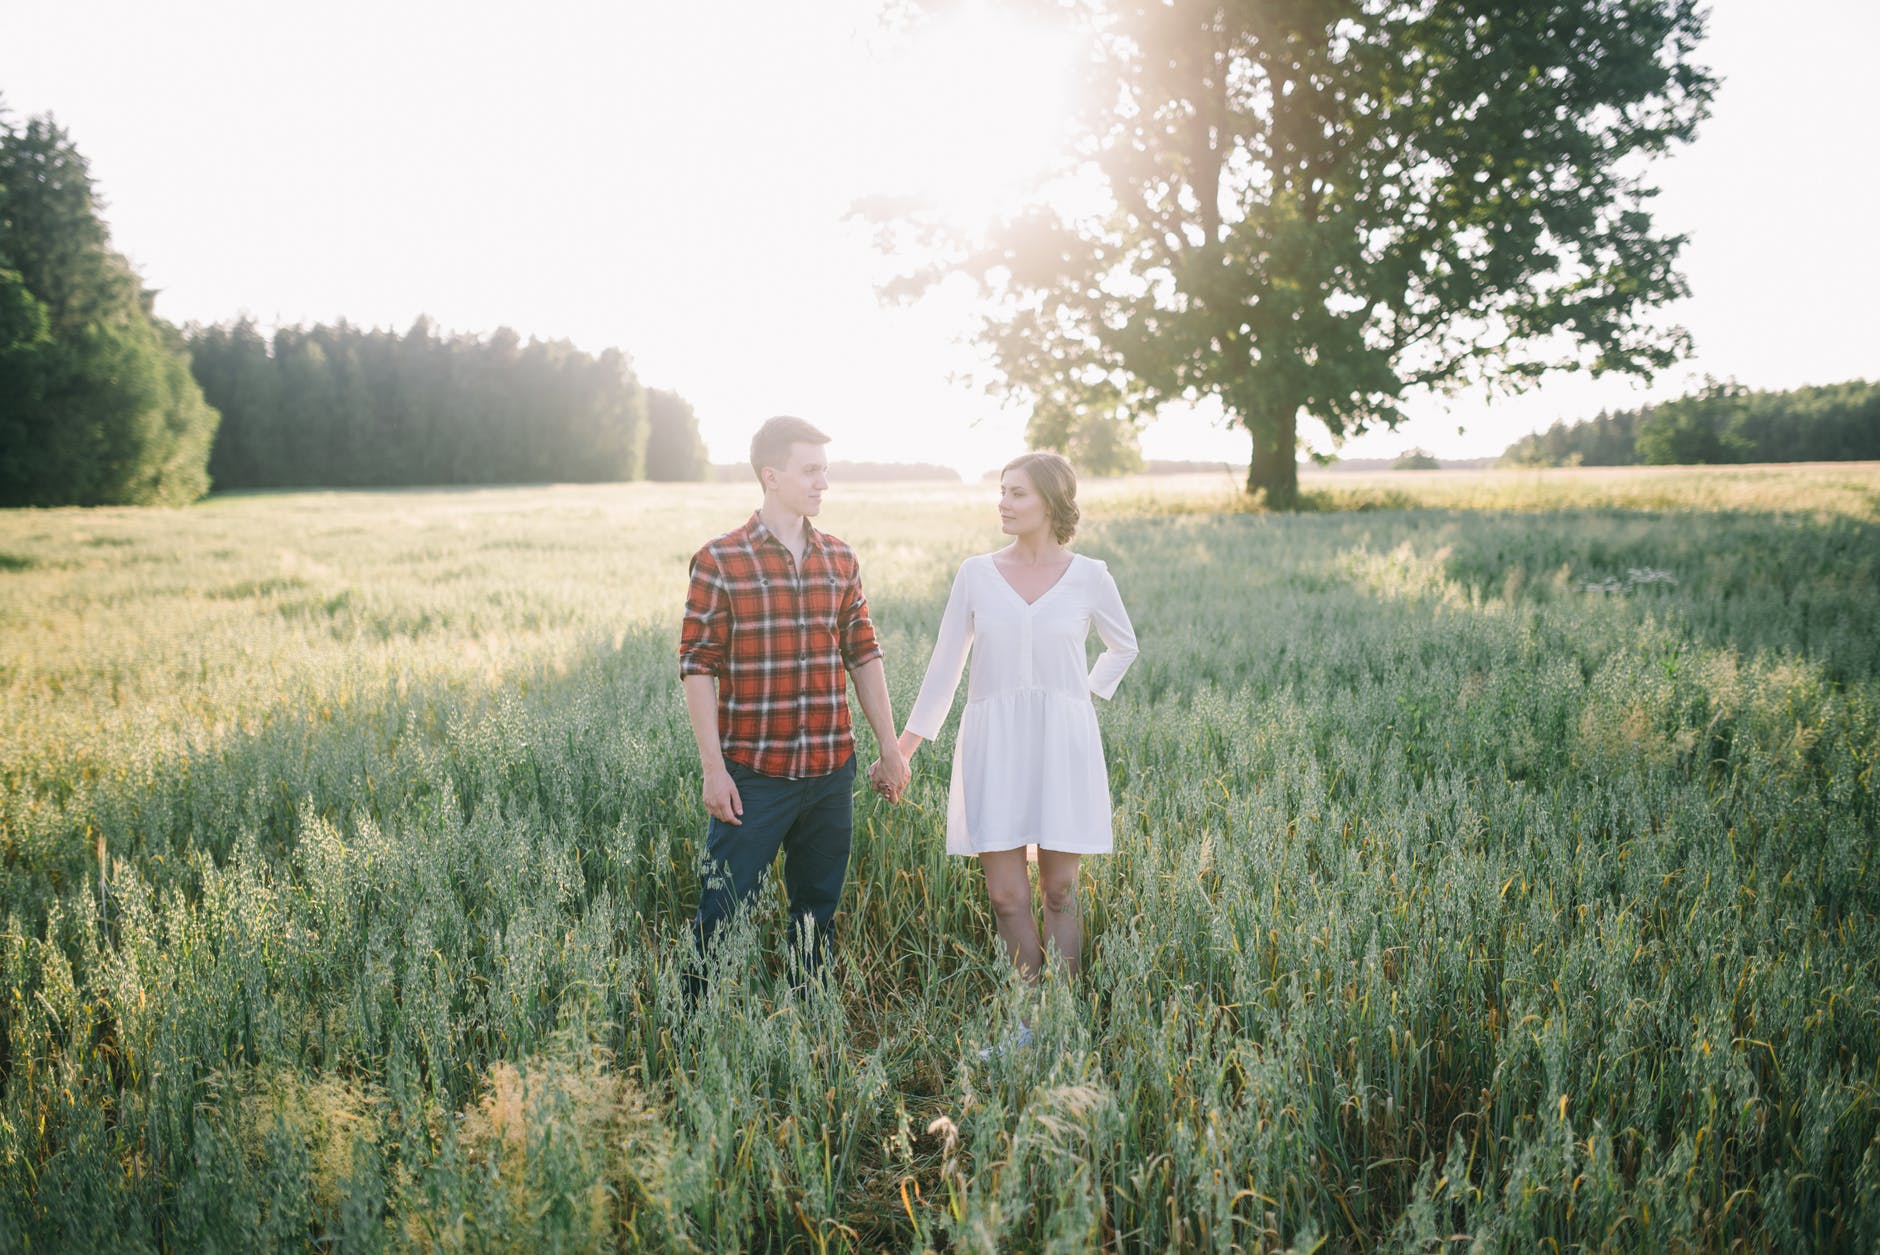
column 1825, row 488
column 1495, row 865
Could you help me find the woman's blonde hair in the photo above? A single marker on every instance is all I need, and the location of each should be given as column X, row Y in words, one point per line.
column 1051, row 474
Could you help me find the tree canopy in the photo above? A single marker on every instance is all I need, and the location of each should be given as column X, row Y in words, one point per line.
column 1416, row 460
column 1323, row 206
column 99, row 404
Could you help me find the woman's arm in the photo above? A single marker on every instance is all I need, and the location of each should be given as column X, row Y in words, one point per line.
column 946, row 665
column 1119, row 637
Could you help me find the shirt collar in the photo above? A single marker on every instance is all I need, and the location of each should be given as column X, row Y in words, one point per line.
column 760, row 532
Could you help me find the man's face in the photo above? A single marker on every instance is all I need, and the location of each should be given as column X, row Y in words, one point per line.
column 798, row 484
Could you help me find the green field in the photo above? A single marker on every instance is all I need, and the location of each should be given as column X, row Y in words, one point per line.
column 1495, row 871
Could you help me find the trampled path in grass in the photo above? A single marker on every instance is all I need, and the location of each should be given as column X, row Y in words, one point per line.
column 1494, row 861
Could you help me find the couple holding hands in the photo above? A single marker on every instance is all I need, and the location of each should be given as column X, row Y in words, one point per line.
column 775, row 623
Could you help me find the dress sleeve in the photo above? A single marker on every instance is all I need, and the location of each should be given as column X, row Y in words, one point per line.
column 947, row 663
column 1119, row 638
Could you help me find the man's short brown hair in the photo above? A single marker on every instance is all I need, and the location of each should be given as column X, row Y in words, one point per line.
column 771, row 445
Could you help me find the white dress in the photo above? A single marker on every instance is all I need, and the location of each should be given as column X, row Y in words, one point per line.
column 1028, row 765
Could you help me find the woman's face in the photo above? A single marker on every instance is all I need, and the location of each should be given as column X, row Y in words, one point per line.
column 1021, row 510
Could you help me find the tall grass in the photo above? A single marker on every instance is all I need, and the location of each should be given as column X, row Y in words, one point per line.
column 1469, row 891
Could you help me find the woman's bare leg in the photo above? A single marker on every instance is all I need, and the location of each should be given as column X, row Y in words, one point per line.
column 1008, row 886
column 1063, row 925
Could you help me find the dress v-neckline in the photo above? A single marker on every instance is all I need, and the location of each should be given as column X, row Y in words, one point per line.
column 1041, row 596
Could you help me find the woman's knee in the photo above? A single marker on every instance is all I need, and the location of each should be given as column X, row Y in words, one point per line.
column 1060, row 896
column 1010, row 895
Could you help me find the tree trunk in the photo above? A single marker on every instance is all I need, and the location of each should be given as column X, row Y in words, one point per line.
column 1273, row 475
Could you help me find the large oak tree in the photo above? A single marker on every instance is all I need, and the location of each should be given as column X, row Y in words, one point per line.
column 1321, row 207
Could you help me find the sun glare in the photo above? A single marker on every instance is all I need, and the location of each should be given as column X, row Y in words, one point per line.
column 972, row 112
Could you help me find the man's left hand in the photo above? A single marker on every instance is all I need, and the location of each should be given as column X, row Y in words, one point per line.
column 889, row 775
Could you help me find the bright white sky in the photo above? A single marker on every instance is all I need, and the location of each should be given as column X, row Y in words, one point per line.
column 674, row 179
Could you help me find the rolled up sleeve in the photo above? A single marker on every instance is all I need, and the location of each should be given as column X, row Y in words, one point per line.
column 704, row 632
column 856, row 630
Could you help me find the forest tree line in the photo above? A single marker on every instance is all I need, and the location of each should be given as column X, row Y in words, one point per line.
column 103, row 403
column 1723, row 422
column 345, row 406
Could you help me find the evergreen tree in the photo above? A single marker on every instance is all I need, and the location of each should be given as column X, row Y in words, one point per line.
column 25, row 358
column 232, row 366
column 100, row 405
column 674, row 450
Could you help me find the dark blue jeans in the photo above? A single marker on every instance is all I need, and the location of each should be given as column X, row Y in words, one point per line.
column 811, row 821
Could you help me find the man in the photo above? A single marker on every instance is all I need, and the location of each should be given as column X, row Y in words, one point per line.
column 774, row 616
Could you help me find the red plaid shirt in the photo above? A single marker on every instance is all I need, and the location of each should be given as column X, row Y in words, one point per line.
column 778, row 639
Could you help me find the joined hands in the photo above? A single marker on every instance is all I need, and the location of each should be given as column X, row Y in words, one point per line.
column 889, row 774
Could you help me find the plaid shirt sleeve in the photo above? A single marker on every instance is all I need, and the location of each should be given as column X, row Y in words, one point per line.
column 855, row 629
column 704, row 633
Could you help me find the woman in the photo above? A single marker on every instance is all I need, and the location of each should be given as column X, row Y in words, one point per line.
column 1028, row 765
